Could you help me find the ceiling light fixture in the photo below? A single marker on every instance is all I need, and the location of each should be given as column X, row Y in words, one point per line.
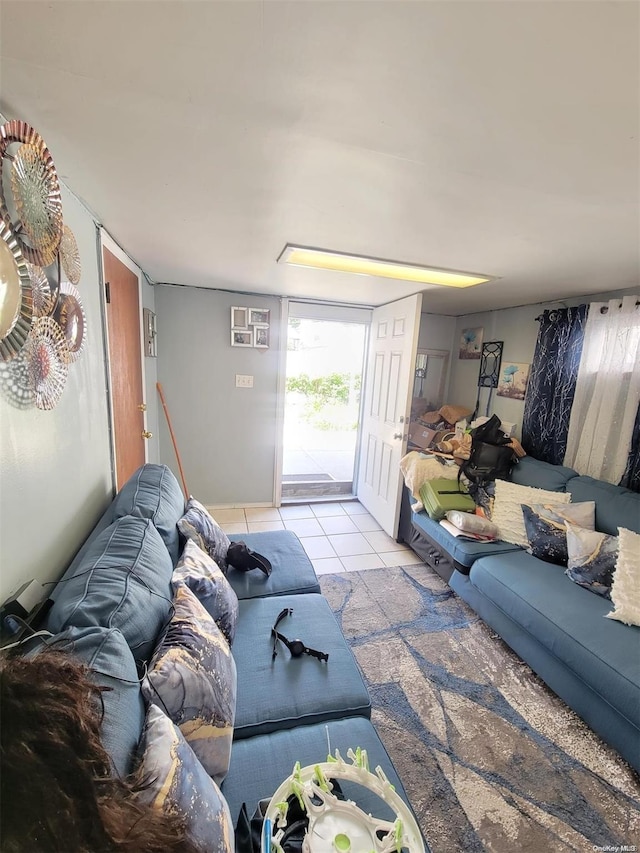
column 303, row 256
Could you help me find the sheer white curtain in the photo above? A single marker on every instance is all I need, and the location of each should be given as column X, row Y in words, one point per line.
column 607, row 390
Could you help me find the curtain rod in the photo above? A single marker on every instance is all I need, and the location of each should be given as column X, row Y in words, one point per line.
column 603, row 310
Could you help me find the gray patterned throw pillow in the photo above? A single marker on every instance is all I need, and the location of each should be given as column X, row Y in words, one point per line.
column 198, row 524
column 177, row 784
column 192, row 676
column 592, row 559
column 201, row 574
column 546, row 529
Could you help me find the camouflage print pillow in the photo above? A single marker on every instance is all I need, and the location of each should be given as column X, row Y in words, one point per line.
column 205, row 580
column 198, row 524
column 192, row 677
column 177, row 784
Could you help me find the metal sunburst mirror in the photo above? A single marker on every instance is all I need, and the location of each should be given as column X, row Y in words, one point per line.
column 16, row 296
column 45, row 294
column 36, row 204
column 48, row 355
column 42, row 321
column 70, row 256
column 71, row 318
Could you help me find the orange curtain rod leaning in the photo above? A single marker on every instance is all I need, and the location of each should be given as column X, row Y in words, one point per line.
column 173, row 439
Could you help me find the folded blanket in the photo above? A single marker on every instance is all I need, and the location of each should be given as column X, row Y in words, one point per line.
column 416, row 471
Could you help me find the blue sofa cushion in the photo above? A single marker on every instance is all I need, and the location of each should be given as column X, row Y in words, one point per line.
column 615, row 506
column 153, row 492
column 276, row 754
column 287, row 692
column 569, row 622
column 106, row 653
column 542, row 475
column 192, row 676
column 463, row 551
column 123, row 581
column 178, row 785
column 292, row 572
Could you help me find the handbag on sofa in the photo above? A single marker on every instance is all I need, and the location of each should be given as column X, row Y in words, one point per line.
column 491, row 455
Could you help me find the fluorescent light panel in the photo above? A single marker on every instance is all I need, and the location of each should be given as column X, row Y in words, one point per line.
column 303, row 256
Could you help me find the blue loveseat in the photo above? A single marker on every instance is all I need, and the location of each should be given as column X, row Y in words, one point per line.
column 556, row 626
column 114, row 601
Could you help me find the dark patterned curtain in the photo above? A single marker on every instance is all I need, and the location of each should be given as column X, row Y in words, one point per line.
column 631, row 476
column 552, row 383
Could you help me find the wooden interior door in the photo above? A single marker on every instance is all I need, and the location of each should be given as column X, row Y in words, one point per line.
column 125, row 365
column 387, row 403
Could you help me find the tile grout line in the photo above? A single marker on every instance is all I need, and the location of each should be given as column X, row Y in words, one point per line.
column 356, row 559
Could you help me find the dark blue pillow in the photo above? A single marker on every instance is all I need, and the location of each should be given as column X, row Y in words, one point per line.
column 592, row 559
column 546, row 530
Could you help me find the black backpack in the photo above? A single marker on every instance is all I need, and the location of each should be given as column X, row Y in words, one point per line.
column 491, row 457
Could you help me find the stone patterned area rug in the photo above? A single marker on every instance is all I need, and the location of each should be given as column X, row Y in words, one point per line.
column 490, row 758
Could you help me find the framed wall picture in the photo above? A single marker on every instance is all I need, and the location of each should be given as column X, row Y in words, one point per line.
column 149, row 324
column 241, row 338
column 471, row 343
column 513, row 380
column 261, row 337
column 239, row 318
column 259, row 316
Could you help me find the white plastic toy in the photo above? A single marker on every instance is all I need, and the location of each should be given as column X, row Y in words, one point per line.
column 339, row 826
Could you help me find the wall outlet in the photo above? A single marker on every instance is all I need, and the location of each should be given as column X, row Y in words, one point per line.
column 243, row 381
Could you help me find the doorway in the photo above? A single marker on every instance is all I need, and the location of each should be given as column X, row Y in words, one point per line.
column 125, row 361
column 324, row 366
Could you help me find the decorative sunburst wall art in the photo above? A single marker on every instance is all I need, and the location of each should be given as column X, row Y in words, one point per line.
column 42, row 321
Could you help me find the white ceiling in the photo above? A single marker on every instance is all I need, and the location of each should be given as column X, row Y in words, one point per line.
column 493, row 137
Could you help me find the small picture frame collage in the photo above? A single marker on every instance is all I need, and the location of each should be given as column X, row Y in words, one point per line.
column 250, row 327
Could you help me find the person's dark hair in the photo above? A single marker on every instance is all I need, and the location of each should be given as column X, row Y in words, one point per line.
column 57, row 788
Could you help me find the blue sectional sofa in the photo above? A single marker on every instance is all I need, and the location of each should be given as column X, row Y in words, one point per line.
column 556, row 626
column 115, row 599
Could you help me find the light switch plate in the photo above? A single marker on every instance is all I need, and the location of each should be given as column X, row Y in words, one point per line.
column 243, row 381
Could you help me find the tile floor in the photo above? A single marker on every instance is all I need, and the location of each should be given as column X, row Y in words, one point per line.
column 338, row 537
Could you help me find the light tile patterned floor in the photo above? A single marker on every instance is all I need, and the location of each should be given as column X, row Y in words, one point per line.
column 338, row 537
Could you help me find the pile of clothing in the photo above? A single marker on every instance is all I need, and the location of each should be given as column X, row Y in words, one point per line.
column 443, row 422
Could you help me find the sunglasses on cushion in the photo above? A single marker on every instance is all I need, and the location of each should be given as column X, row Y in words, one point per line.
column 296, row 647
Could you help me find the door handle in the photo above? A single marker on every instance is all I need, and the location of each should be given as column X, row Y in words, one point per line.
column 400, row 435
column 147, row 434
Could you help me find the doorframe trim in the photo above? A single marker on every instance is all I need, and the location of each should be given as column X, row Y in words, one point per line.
column 280, row 402
column 107, row 242
column 325, row 312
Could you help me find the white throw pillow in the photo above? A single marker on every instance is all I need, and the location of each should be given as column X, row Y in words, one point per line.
column 507, row 509
column 625, row 590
